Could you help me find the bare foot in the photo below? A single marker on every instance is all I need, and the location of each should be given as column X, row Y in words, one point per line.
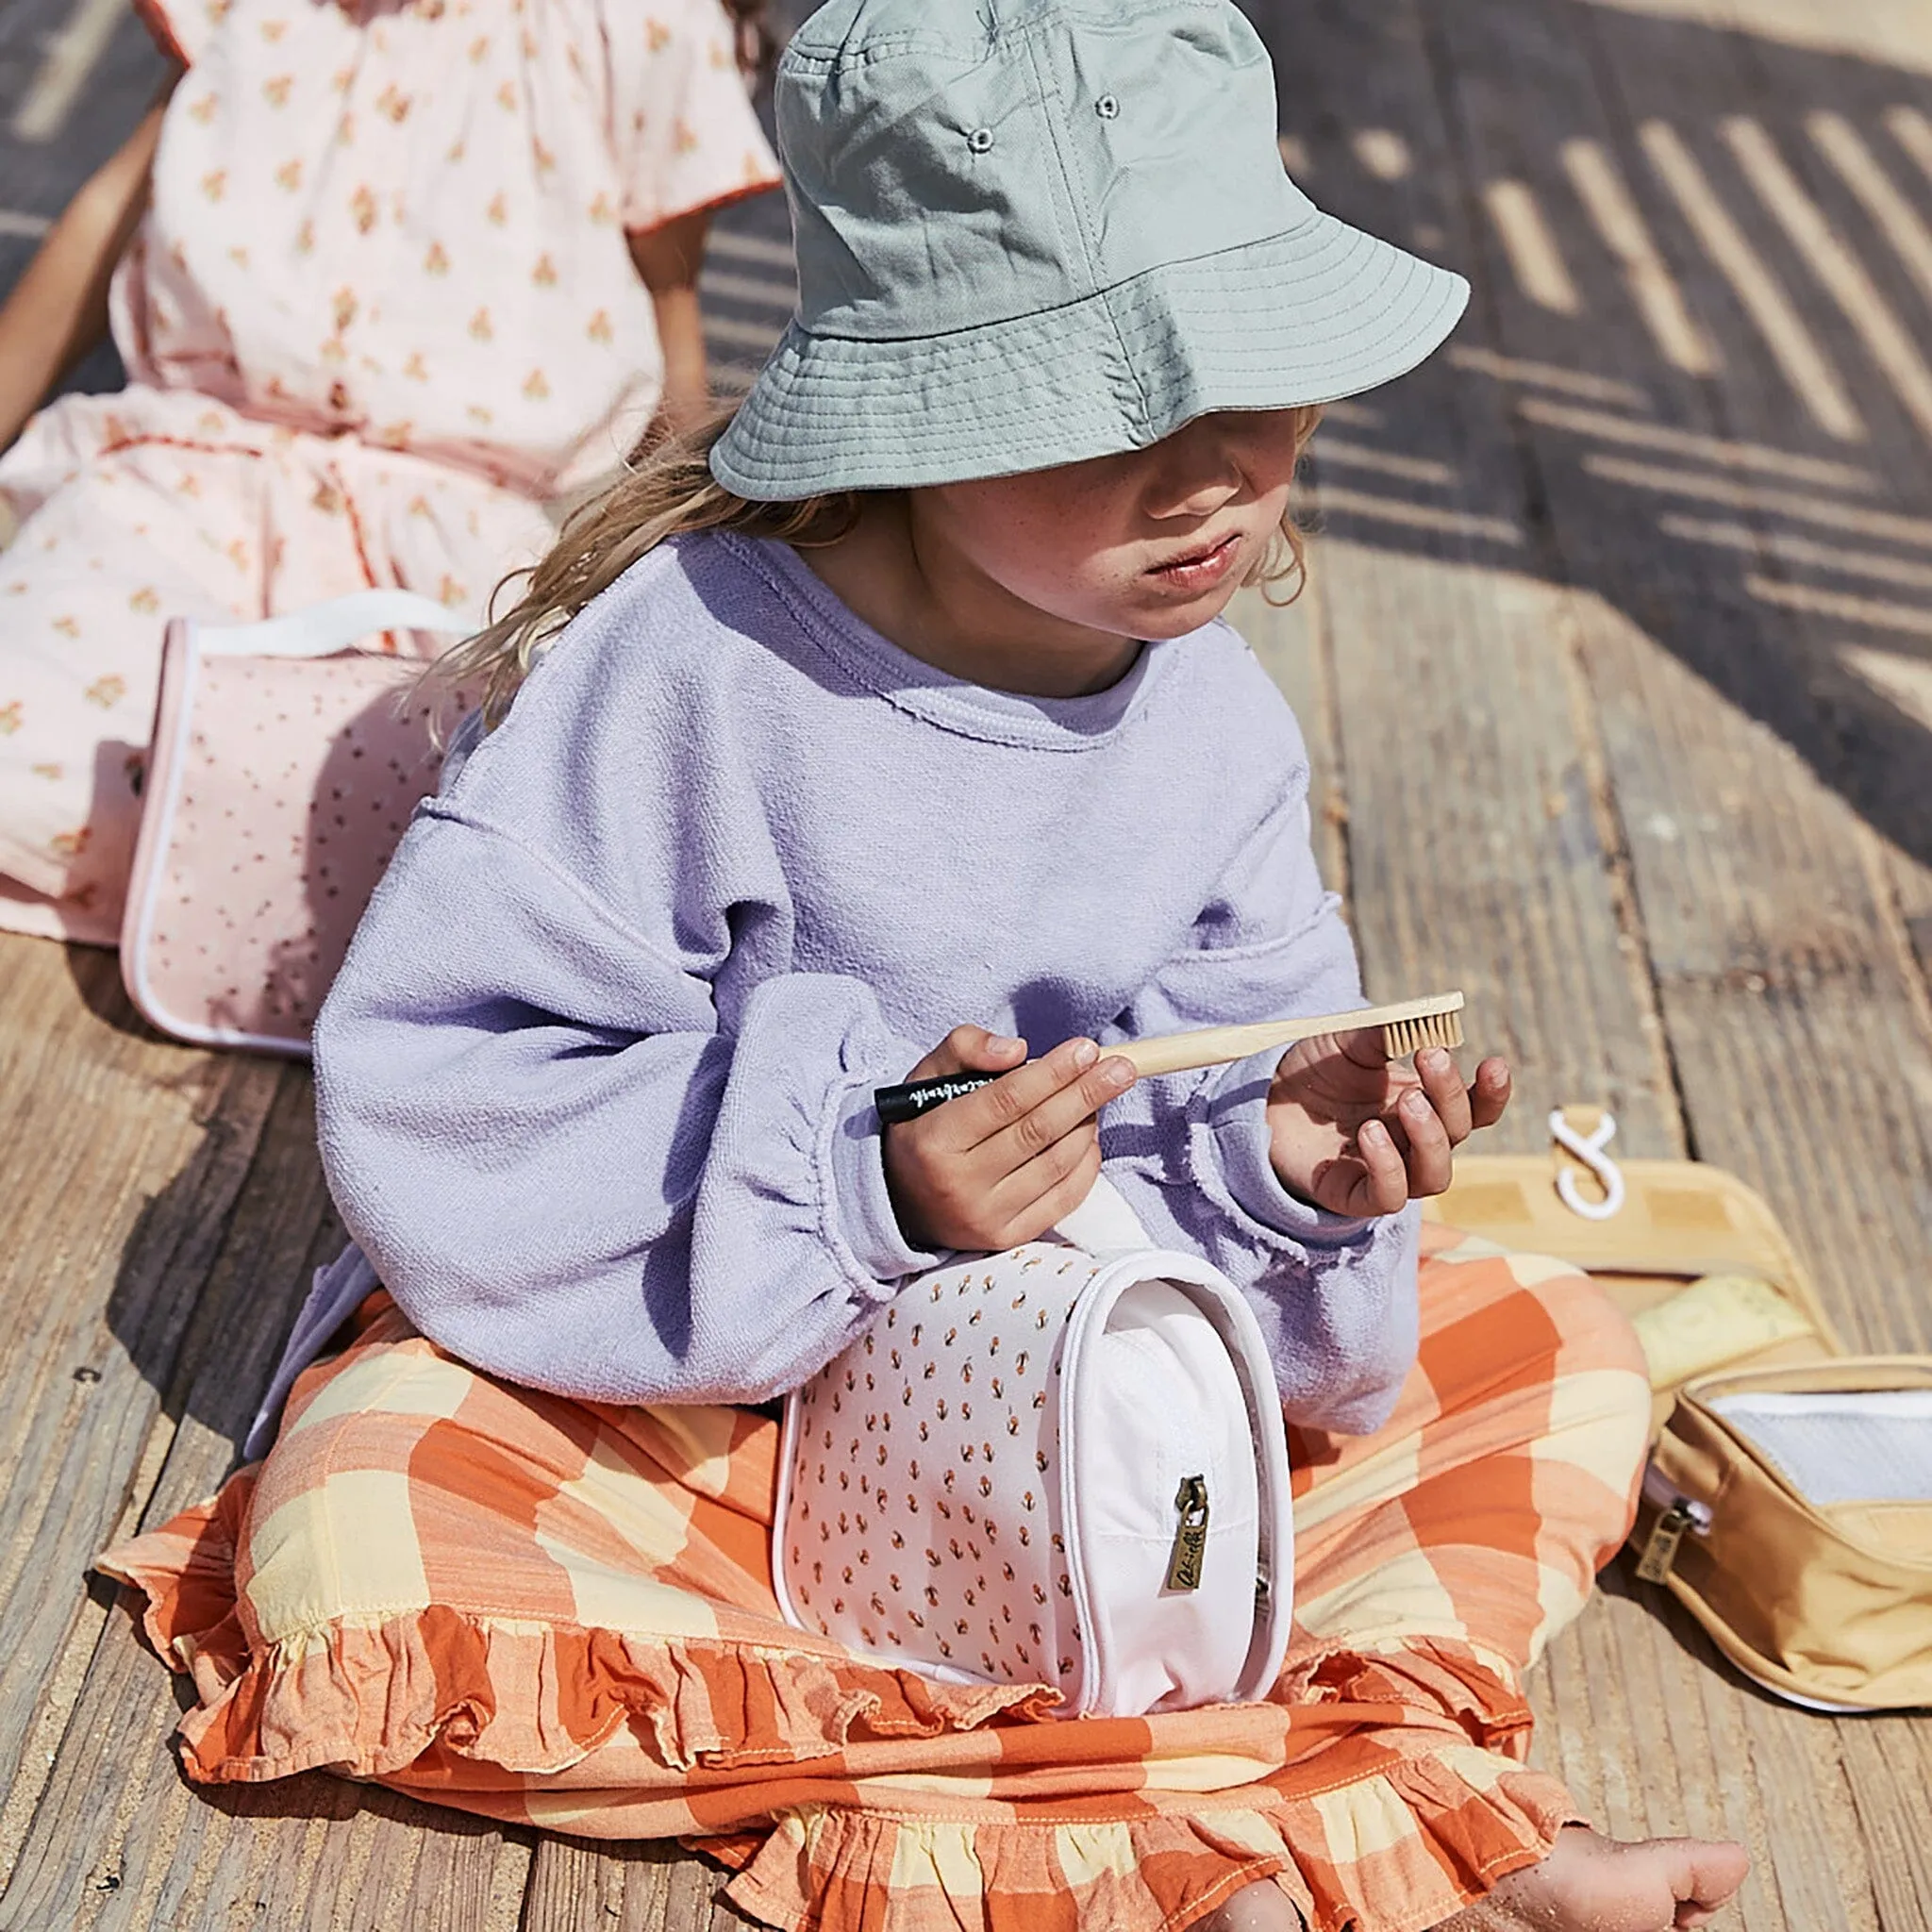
column 1591, row 1884
column 1586, row 1884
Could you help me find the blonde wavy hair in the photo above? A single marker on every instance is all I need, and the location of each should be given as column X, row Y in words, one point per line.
column 668, row 491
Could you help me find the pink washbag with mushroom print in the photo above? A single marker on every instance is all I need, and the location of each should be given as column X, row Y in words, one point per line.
column 1062, row 1466
column 287, row 758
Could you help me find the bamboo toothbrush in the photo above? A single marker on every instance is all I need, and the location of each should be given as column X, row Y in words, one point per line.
column 1407, row 1027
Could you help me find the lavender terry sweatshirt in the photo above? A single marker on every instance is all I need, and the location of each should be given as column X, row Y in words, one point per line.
column 594, row 1084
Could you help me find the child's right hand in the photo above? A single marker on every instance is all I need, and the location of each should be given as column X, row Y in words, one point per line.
column 1001, row 1166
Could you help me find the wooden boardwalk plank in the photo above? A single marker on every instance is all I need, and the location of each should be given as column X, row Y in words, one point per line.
column 1480, row 829
column 1492, row 63
column 578, row 1887
column 126, row 1158
column 183, row 1335
column 116, row 1836
column 1796, row 1034
column 1482, row 824
column 1783, row 968
column 1476, row 850
column 1884, row 659
column 1887, row 1766
column 120, row 1841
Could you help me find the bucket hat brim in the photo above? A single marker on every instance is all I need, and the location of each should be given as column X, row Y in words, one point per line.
column 1309, row 315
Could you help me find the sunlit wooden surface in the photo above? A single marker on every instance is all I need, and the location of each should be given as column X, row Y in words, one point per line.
column 1617, row 666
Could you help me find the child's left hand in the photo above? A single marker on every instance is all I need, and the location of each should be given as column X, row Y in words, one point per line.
column 1359, row 1134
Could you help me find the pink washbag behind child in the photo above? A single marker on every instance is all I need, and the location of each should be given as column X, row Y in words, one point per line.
column 286, row 760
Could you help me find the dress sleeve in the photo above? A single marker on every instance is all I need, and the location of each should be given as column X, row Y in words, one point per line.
column 179, row 27
column 1336, row 1296
column 682, row 124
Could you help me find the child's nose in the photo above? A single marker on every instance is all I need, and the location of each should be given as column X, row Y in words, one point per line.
column 1201, row 473
column 1199, row 495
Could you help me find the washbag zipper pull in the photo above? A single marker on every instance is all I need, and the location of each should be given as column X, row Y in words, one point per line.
column 1191, row 1535
column 1678, row 1516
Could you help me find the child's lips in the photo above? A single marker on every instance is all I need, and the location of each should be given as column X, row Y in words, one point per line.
column 1199, row 568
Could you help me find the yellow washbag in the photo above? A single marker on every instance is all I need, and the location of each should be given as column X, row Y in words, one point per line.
column 1787, row 1503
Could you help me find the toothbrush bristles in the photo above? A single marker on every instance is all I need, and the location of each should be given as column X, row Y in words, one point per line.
column 1401, row 1038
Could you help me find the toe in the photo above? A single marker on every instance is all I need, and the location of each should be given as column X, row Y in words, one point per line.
column 1711, row 1875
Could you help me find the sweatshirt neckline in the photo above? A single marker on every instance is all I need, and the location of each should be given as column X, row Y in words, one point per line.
column 955, row 703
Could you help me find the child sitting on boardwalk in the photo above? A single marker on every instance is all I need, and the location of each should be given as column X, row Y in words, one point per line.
column 406, row 272
column 899, row 710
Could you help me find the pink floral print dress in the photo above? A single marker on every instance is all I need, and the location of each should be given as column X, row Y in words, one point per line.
column 380, row 312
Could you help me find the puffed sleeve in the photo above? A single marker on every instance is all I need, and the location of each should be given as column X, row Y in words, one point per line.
column 589, row 1129
column 682, row 124
column 1336, row 1296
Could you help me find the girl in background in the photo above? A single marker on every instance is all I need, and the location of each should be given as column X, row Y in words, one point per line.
column 391, row 281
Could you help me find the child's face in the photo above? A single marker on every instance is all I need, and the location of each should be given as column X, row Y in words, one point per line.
column 1148, row 544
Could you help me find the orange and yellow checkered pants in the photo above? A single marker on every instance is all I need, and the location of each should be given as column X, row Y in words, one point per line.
column 561, row 1613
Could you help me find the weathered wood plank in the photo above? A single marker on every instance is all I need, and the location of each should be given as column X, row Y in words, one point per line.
column 1833, row 135
column 1646, row 1727
column 1476, row 846
column 126, row 1158
column 1475, row 854
column 1794, row 1028
column 1888, row 1765
column 111, row 1834
column 1795, row 1035
column 122, row 1841
column 1797, row 1028
column 579, row 1887
column 1642, row 1778
column 1911, row 883
column 284, row 1228
column 1815, row 1855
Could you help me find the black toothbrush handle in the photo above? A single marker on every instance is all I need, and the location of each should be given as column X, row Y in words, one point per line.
column 907, row 1103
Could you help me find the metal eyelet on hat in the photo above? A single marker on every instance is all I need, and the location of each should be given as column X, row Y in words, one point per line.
column 1107, row 107
column 980, row 140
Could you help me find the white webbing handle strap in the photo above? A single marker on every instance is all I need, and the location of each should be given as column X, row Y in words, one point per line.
column 1589, row 1150
column 323, row 629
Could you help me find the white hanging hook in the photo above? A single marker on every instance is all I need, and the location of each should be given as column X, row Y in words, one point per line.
column 1590, row 1152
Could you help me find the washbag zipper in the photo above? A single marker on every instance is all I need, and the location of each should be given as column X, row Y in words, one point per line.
column 1678, row 1516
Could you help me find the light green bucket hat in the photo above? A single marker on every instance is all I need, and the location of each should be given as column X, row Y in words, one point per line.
column 1034, row 231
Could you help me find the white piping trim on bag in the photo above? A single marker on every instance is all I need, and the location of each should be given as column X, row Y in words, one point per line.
column 1218, row 1302
column 319, row 631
